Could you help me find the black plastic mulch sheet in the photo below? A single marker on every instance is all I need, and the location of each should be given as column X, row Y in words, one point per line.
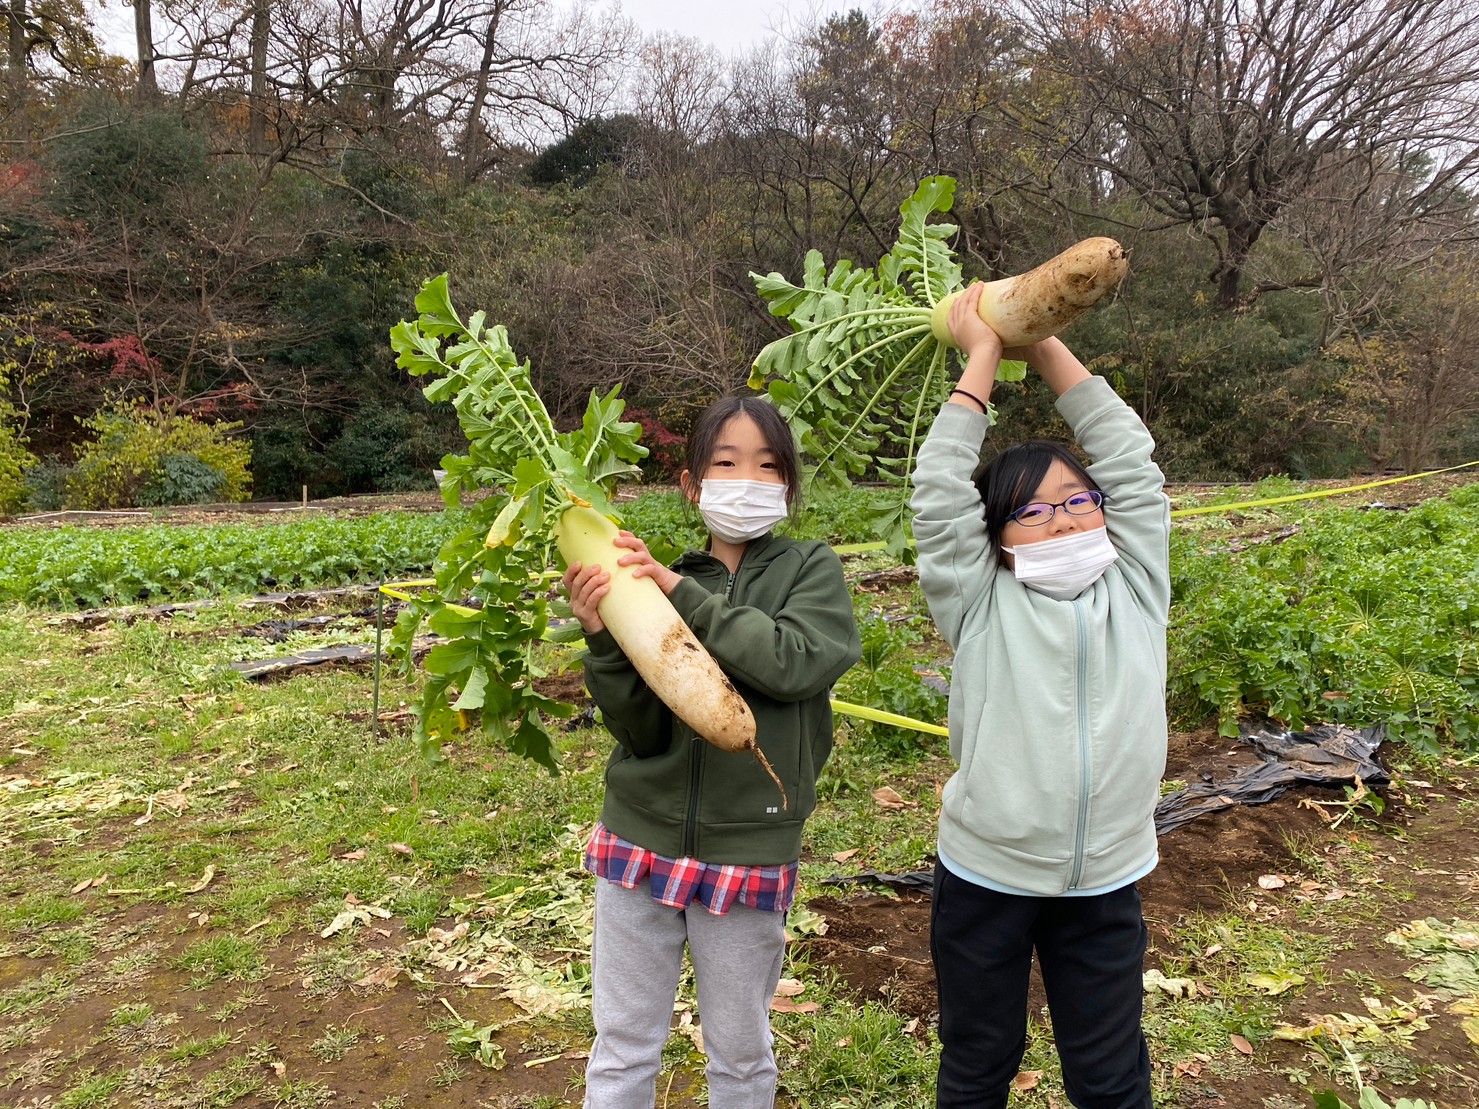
column 1330, row 755
column 920, row 881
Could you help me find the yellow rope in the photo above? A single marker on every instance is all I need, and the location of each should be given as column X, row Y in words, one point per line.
column 864, row 712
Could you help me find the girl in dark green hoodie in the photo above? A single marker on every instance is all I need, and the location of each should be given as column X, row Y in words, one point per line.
column 696, row 848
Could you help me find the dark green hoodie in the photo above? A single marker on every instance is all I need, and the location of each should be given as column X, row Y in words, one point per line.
column 782, row 628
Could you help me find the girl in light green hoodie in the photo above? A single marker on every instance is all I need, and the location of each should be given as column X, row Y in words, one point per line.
column 1051, row 581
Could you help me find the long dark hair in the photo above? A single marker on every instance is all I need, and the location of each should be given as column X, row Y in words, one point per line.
column 1010, row 479
column 704, row 438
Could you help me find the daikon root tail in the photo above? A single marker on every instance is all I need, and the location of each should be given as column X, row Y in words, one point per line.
column 765, row 766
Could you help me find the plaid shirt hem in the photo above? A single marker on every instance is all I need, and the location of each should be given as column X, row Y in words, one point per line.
column 678, row 883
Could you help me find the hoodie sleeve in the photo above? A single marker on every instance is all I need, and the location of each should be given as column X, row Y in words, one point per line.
column 1137, row 512
column 635, row 716
column 808, row 644
column 956, row 559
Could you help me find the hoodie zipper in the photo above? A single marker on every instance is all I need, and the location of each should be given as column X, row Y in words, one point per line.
column 696, row 764
column 1085, row 773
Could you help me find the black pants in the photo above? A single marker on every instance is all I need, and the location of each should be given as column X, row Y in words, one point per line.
column 1091, row 953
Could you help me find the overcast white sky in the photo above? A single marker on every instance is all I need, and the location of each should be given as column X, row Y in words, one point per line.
column 730, row 25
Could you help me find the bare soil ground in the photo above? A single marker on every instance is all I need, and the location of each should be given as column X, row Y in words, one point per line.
column 1425, row 862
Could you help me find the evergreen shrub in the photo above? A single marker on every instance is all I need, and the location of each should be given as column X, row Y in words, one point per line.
column 183, row 479
column 46, row 485
column 387, row 450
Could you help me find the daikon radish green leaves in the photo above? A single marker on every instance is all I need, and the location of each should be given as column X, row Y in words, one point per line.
column 550, row 491
column 486, row 661
column 866, row 369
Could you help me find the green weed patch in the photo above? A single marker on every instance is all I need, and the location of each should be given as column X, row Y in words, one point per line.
column 1356, row 617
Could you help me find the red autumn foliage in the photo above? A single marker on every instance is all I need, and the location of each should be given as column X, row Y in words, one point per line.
column 665, row 448
column 125, row 356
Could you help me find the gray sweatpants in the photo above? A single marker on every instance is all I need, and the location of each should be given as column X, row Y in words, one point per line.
column 636, row 958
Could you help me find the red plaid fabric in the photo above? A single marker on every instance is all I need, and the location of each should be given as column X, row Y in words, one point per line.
column 678, row 883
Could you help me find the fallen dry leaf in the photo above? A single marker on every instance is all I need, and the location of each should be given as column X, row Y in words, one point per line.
column 786, row 1005
column 889, row 798
column 353, row 856
column 1306, row 803
column 1470, row 1026
column 687, row 1028
column 205, row 880
column 1155, row 979
column 1027, row 1080
column 843, row 856
column 446, row 936
column 1241, row 1044
column 789, row 987
column 382, row 975
column 402, row 849
column 1272, row 881
column 354, row 914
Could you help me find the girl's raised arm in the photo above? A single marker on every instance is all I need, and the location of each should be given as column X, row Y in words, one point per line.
column 981, row 347
column 1054, row 363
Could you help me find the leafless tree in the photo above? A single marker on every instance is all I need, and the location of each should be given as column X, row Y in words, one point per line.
column 659, row 300
column 534, row 73
column 18, row 43
column 1222, row 113
column 148, row 84
column 960, row 75
column 444, row 79
column 1363, row 233
column 812, row 130
column 51, row 43
column 1413, row 383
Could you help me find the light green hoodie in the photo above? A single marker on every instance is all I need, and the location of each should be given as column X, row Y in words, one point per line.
column 1057, row 708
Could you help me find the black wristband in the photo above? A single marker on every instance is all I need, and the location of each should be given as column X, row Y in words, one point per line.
column 972, row 396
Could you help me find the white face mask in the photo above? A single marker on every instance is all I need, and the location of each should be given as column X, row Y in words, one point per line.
column 1063, row 568
column 737, row 510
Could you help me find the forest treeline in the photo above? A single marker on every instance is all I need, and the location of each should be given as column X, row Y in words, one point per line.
column 203, row 252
